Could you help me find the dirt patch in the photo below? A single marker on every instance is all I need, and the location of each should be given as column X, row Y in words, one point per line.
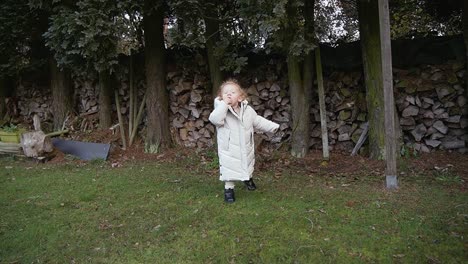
column 340, row 163
column 441, row 160
column 105, row 136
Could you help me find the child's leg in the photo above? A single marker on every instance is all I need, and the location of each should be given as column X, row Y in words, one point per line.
column 250, row 184
column 229, row 185
column 229, row 192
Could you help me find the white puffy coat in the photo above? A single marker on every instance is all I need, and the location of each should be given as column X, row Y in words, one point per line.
column 236, row 139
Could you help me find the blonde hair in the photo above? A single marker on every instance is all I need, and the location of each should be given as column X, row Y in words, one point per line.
column 243, row 93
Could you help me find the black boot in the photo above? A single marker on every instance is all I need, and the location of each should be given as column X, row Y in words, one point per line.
column 229, row 196
column 250, row 185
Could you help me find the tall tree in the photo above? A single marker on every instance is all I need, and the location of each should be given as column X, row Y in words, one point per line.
column 370, row 44
column 201, row 24
column 59, row 79
column 297, row 88
column 105, row 99
column 419, row 18
column 287, row 27
column 157, row 99
column 309, row 36
column 6, row 89
column 465, row 38
column 212, row 37
column 84, row 36
column 62, row 93
column 19, row 34
column 410, row 18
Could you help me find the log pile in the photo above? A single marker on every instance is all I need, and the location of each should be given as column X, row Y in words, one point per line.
column 190, row 106
column 430, row 100
column 34, row 100
column 270, row 100
column 346, row 111
column 432, row 105
column 86, row 92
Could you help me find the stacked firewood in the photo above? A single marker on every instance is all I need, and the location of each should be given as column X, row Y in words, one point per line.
column 34, row 100
column 346, row 111
column 432, row 106
column 86, row 92
column 271, row 101
column 430, row 100
column 191, row 105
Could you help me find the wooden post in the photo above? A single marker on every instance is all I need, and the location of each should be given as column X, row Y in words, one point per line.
column 389, row 103
column 323, row 111
column 132, row 101
column 137, row 121
column 121, row 123
column 361, row 140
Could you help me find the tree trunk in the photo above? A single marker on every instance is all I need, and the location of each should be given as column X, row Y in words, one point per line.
column 299, row 109
column 370, row 44
column 157, row 101
column 105, row 99
column 465, row 38
column 211, row 37
column 62, row 93
column 6, row 88
column 39, row 51
column 308, row 80
column 299, row 96
column 3, row 95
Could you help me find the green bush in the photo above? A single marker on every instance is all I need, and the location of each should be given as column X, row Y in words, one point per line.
column 10, row 128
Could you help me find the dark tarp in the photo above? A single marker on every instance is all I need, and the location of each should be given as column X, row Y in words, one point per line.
column 82, row 150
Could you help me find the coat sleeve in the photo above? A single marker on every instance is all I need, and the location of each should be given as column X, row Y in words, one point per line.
column 262, row 124
column 219, row 113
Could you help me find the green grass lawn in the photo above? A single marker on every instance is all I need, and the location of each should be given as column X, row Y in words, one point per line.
column 149, row 212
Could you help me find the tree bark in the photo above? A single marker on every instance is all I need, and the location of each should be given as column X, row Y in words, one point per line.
column 370, row 44
column 308, row 80
column 157, row 101
column 105, row 99
column 39, row 52
column 298, row 94
column 299, row 109
column 62, row 93
column 465, row 38
column 6, row 88
column 3, row 95
column 211, row 38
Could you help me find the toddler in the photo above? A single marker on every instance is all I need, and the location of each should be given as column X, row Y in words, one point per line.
column 235, row 122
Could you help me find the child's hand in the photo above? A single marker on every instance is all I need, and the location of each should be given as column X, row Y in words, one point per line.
column 227, row 100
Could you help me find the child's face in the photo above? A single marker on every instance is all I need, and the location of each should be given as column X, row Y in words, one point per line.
column 231, row 94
